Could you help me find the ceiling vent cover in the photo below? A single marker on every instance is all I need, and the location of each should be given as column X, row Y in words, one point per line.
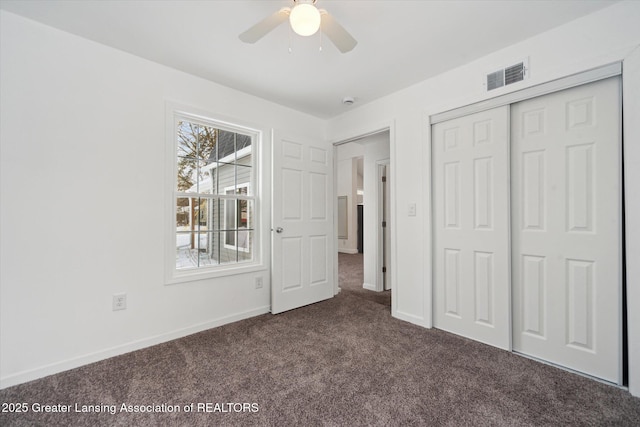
column 506, row 76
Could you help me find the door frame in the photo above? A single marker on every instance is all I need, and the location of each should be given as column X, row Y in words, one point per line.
column 581, row 78
column 353, row 137
column 380, row 165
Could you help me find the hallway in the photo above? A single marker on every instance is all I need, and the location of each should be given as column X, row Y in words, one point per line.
column 350, row 279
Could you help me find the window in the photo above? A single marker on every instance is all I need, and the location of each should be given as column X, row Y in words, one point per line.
column 214, row 205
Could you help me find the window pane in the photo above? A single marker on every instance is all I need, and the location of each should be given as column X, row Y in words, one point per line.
column 206, row 184
column 183, row 214
column 246, row 217
column 243, row 252
column 187, row 139
column 193, row 176
column 229, row 223
column 243, row 179
column 206, row 249
column 198, row 214
column 242, row 141
column 209, row 215
column 228, row 254
column 212, row 186
column 186, row 250
column 238, row 220
column 245, row 240
column 231, row 147
column 210, row 249
column 226, row 146
column 226, row 176
column 202, row 215
column 191, row 213
column 244, row 157
column 219, row 215
column 187, row 175
column 207, row 143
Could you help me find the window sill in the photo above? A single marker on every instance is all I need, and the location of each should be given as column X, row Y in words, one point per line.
column 176, row 277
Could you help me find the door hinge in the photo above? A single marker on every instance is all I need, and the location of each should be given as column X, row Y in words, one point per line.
column 384, row 179
column 384, row 224
column 384, row 269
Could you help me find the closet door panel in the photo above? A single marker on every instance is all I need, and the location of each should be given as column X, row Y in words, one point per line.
column 566, row 216
column 471, row 227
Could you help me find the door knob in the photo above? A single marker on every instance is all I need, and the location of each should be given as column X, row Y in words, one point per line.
column 279, row 230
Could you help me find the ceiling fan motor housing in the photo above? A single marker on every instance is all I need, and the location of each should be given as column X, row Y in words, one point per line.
column 304, row 18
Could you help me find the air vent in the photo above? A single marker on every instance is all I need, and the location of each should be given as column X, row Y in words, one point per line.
column 495, row 80
column 506, row 76
column 513, row 74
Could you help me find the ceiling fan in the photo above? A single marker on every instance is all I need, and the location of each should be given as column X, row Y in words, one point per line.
column 305, row 19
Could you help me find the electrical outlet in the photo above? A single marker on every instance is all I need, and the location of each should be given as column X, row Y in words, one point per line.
column 258, row 282
column 119, row 302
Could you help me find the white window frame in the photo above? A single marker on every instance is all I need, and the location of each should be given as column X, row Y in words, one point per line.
column 173, row 275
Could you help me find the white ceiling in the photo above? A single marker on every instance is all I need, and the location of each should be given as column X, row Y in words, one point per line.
column 399, row 42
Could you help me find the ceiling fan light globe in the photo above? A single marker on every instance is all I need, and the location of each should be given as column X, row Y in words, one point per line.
column 304, row 19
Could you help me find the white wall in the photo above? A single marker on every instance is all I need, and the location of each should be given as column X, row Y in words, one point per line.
column 594, row 40
column 83, row 201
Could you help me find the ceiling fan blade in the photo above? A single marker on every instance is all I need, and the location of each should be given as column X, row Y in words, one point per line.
column 336, row 33
column 259, row 30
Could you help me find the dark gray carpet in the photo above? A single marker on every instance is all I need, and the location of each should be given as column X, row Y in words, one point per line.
column 344, row 361
column 351, row 278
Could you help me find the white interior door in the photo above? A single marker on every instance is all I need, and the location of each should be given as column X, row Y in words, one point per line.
column 471, row 227
column 302, row 223
column 566, row 201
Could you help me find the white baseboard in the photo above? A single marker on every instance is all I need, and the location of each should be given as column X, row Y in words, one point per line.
column 54, row 368
column 369, row 286
column 348, row 251
column 411, row 318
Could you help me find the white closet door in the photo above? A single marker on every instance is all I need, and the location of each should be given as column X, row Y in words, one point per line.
column 471, row 227
column 566, row 216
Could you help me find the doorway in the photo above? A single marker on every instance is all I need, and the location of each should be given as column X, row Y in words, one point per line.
column 361, row 163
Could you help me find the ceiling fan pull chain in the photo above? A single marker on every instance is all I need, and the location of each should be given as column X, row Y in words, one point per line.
column 320, row 35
